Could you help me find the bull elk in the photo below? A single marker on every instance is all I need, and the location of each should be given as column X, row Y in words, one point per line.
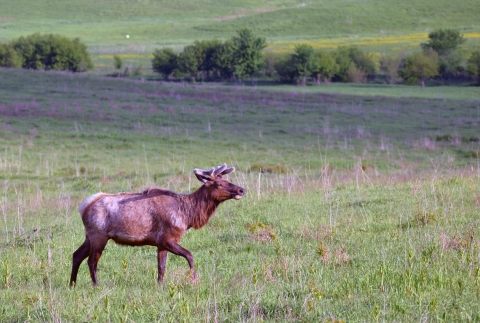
column 155, row 217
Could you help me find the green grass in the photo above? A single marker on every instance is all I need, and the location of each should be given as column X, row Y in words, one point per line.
column 431, row 91
column 364, row 215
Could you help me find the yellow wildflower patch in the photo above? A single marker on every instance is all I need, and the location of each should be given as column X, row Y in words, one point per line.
column 409, row 40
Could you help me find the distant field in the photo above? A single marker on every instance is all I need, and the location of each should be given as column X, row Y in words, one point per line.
column 379, row 26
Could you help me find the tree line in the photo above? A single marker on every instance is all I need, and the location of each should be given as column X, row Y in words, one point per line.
column 244, row 56
column 239, row 57
column 47, row 52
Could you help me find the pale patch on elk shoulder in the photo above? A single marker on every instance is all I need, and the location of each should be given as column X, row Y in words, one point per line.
column 154, row 217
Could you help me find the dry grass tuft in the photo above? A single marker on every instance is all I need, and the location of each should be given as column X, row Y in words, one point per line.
column 425, row 218
column 339, row 257
column 320, row 234
column 261, row 232
column 268, row 169
column 463, row 241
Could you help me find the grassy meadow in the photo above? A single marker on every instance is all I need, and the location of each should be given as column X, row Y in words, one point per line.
column 358, row 208
column 362, row 200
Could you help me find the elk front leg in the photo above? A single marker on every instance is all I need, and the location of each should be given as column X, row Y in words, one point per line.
column 162, row 260
column 175, row 248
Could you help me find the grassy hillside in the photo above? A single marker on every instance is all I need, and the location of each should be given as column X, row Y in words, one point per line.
column 367, row 208
column 103, row 25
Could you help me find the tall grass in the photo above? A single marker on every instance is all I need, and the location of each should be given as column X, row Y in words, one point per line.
column 354, row 210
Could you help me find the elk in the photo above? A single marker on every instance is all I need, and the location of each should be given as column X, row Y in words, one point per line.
column 155, row 217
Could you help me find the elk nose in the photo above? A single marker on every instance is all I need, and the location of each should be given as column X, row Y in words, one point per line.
column 241, row 191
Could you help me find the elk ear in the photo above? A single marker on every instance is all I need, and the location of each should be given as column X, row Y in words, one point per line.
column 228, row 171
column 202, row 176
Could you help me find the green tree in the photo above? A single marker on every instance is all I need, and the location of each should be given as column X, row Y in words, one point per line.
column 248, row 53
column 473, row 66
column 303, row 61
column 199, row 58
column 9, row 57
column 223, row 60
column 52, row 52
column 188, row 61
column 352, row 63
column 208, row 50
column 390, row 65
column 444, row 41
column 451, row 65
column 164, row 62
column 343, row 60
column 284, row 68
column 419, row 66
column 361, row 59
column 325, row 67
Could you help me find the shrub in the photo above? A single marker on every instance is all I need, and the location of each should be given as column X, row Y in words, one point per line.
column 118, row 62
column 303, row 62
column 345, row 56
column 419, row 66
column 390, row 65
column 52, row 52
column 164, row 62
column 473, row 67
column 284, row 68
column 9, row 57
column 325, row 67
column 356, row 74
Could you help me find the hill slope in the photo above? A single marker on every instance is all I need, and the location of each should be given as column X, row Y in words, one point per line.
column 157, row 23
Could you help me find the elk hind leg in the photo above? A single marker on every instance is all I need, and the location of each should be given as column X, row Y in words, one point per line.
column 96, row 249
column 78, row 257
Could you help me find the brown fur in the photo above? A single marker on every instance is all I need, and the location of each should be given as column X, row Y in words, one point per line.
column 155, row 217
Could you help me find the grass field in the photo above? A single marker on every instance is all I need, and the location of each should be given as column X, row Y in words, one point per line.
column 361, row 202
column 369, row 210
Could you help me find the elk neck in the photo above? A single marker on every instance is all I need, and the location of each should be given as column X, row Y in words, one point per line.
column 199, row 207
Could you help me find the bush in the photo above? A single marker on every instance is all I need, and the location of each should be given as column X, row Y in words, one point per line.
column 419, row 66
column 284, row 68
column 473, row 67
column 325, row 67
column 52, row 52
column 9, row 57
column 164, row 61
column 345, row 56
column 355, row 74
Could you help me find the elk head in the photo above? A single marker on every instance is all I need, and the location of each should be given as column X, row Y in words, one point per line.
column 219, row 188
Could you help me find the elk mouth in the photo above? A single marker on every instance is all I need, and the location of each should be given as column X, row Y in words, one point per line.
column 240, row 192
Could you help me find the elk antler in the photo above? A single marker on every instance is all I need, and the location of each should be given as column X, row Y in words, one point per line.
column 214, row 171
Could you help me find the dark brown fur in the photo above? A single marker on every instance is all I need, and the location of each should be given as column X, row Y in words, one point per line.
column 155, row 217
